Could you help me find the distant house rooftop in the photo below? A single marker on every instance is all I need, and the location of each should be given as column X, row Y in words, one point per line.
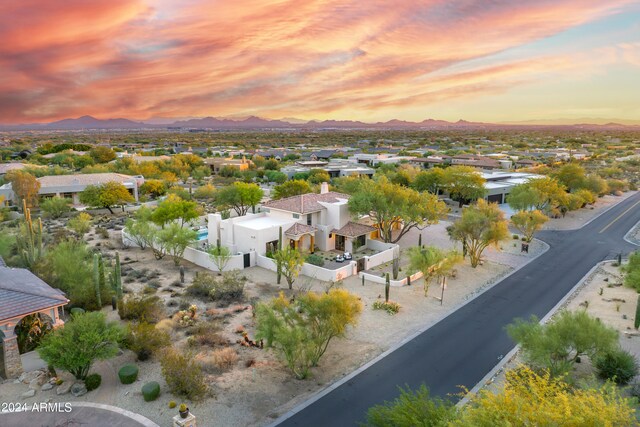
column 6, row 167
column 83, row 179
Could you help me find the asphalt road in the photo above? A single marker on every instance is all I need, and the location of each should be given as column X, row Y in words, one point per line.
column 462, row 348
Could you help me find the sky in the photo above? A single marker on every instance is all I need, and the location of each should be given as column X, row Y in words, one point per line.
column 373, row 60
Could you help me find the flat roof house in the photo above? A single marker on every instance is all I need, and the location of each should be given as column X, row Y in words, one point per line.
column 335, row 168
column 217, row 163
column 499, row 184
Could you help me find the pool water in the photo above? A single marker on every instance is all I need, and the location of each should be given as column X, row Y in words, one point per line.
column 203, row 234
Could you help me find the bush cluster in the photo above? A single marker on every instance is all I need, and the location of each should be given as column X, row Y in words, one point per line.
column 182, row 374
column 93, row 381
column 618, row 366
column 390, row 307
column 315, row 260
column 142, row 309
column 144, row 339
column 229, row 287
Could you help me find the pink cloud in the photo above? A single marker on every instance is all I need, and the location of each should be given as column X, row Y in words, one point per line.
column 136, row 59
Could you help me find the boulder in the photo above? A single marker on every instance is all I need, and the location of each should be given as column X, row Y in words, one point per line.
column 78, row 389
column 64, row 387
column 28, row 393
column 30, row 376
column 46, row 386
column 37, row 382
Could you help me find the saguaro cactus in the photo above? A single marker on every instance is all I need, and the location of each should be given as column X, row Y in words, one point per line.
column 30, row 245
column 420, row 240
column 278, row 266
column 636, row 322
column 387, row 287
column 117, row 277
column 181, row 274
column 96, row 278
column 396, row 267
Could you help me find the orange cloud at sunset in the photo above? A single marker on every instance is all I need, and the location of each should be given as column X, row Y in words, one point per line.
column 309, row 59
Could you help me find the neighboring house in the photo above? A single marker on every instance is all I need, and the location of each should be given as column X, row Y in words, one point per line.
column 376, row 159
column 525, row 163
column 335, row 168
column 307, row 221
column 23, row 294
column 69, row 152
column 70, row 186
column 7, row 167
column 217, row 163
column 498, row 185
column 480, row 162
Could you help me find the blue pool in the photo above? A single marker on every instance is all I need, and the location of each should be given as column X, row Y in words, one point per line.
column 202, row 234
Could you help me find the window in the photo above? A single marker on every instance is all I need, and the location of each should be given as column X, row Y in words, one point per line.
column 308, row 219
column 296, row 216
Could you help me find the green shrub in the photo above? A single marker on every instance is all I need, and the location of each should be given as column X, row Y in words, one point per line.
column 150, row 391
column 618, row 366
column 315, row 260
column 143, row 309
column 55, row 207
column 182, row 374
column 76, row 310
column 389, row 306
column 172, row 404
column 128, row 374
column 230, row 288
column 202, row 285
column 93, row 381
column 412, row 408
column 144, row 339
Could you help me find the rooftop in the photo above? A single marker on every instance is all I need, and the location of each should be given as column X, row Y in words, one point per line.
column 306, row 203
column 22, row 293
column 83, row 179
column 354, row 229
column 298, row 229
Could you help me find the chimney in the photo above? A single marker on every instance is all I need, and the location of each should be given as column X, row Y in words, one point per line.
column 324, row 188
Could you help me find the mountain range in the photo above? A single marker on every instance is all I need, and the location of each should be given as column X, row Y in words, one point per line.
column 257, row 123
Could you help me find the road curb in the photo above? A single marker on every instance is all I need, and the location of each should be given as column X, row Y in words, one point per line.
column 509, row 356
column 323, row 392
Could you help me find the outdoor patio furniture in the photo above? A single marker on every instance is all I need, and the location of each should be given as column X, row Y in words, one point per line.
column 348, row 256
column 339, row 258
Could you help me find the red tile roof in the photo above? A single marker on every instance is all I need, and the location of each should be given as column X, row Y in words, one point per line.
column 354, row 229
column 306, row 203
column 298, row 229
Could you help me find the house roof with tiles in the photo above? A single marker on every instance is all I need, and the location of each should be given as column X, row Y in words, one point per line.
column 354, row 229
column 23, row 293
column 298, row 229
column 306, row 203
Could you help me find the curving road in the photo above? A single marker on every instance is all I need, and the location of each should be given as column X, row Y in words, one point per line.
column 462, row 348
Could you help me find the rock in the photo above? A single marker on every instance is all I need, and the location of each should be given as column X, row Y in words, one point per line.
column 18, row 381
column 22, row 376
column 37, row 382
column 64, row 387
column 28, row 393
column 78, row 389
column 30, row 376
column 47, row 386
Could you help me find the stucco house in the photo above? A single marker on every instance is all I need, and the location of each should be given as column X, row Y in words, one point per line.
column 70, row 186
column 308, row 221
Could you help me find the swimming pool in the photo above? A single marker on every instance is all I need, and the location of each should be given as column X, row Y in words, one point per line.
column 203, row 233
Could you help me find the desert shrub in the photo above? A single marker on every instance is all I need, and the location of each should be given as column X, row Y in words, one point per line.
column 84, row 338
column 172, row 404
column 55, row 207
column 412, row 408
column 150, row 391
column 102, row 232
column 618, row 366
column 556, row 345
column 148, row 290
column 632, row 270
column 202, row 285
column 128, row 374
column 389, row 306
column 166, row 325
column 93, row 381
column 315, row 260
column 186, row 318
column 230, row 288
column 206, row 334
column 155, row 283
column 142, row 309
column 182, row 374
column 144, row 339
column 225, row 358
column 76, row 310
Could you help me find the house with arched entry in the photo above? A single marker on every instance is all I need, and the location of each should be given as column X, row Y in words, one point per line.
column 22, row 294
